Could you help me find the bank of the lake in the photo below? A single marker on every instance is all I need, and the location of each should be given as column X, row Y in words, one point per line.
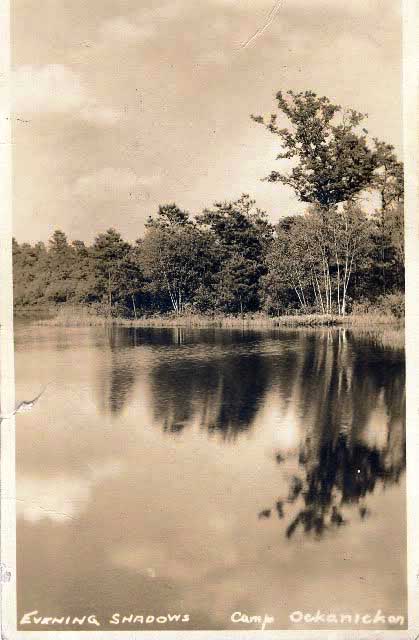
column 75, row 317
column 69, row 316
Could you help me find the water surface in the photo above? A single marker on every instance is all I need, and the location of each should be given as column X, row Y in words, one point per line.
column 205, row 472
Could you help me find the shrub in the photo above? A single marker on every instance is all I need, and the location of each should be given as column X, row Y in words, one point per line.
column 392, row 303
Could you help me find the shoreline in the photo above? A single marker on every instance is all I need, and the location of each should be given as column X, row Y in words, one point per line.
column 83, row 318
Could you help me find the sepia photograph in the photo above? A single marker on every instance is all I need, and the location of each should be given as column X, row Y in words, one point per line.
column 207, row 378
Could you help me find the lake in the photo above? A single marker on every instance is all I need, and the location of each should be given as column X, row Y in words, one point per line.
column 181, row 476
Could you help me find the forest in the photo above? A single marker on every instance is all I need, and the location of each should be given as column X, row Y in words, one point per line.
column 343, row 255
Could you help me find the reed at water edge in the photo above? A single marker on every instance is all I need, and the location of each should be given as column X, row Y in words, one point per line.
column 67, row 316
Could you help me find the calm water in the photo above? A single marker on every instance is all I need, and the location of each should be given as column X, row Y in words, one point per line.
column 205, row 472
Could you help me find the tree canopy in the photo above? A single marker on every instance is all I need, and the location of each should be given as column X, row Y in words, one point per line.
column 332, row 159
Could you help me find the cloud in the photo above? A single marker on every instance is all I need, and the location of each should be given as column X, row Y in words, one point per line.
column 147, row 23
column 50, row 88
column 39, row 498
column 183, row 99
column 111, row 183
column 65, row 497
column 101, row 116
column 119, row 28
column 56, row 88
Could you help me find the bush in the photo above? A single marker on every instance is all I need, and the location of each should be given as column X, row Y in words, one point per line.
column 361, row 307
column 392, row 303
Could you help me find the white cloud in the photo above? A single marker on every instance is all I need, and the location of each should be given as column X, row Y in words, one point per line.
column 120, row 28
column 101, row 116
column 111, row 183
column 64, row 497
column 146, row 24
column 55, row 88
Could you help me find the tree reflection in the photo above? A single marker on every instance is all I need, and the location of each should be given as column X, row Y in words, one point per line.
column 346, row 394
column 223, row 394
column 116, row 374
column 341, row 473
column 352, row 400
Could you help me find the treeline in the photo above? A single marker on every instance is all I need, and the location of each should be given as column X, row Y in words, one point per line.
column 230, row 259
column 334, row 258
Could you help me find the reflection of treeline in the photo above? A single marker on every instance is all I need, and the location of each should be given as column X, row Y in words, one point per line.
column 223, row 394
column 230, row 258
column 344, row 378
column 214, row 390
column 349, row 396
column 220, row 380
column 344, row 454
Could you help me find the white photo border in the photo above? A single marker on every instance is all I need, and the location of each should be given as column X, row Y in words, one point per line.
column 7, row 385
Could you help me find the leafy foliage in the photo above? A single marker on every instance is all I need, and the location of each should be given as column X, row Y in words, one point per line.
column 174, row 255
column 239, row 235
column 333, row 160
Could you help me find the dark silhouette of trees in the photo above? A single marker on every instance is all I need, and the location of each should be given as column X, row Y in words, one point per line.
column 174, row 256
column 239, row 236
column 388, row 181
column 30, row 273
column 110, row 253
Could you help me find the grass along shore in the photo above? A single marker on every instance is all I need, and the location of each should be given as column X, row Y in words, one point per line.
column 83, row 316
column 380, row 329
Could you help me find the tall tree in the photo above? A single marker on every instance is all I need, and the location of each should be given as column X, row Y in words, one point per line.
column 174, row 257
column 288, row 265
column 240, row 235
column 61, row 267
column 109, row 254
column 169, row 216
column 388, row 182
column 346, row 247
column 133, row 278
column 333, row 161
column 313, row 259
column 84, row 273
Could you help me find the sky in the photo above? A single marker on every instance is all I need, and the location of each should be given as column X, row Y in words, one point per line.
column 122, row 105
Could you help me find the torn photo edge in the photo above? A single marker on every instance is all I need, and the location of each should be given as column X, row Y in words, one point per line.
column 8, row 583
